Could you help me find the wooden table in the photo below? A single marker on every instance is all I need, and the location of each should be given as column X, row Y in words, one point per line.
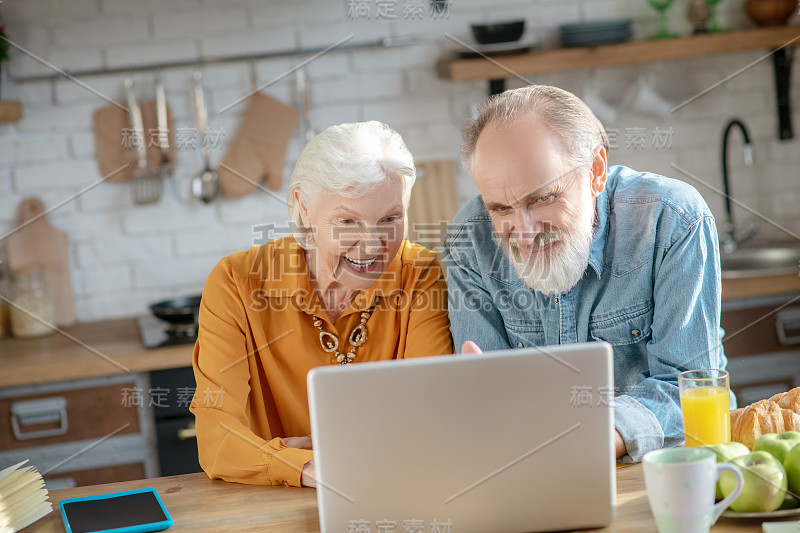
column 198, row 504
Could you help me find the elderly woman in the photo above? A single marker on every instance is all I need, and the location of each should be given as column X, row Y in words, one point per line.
column 345, row 288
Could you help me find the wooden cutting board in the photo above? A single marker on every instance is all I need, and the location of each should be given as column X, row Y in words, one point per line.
column 433, row 202
column 38, row 244
column 111, row 127
column 258, row 152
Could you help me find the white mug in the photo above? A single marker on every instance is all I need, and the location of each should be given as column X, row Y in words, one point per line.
column 681, row 484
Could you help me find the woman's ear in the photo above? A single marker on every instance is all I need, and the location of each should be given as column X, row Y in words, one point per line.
column 303, row 209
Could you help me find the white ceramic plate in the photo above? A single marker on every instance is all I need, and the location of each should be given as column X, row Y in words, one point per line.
column 790, row 507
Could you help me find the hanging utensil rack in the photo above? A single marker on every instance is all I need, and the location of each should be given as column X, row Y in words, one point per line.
column 343, row 45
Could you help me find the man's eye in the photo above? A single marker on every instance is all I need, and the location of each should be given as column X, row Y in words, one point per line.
column 502, row 210
column 347, row 221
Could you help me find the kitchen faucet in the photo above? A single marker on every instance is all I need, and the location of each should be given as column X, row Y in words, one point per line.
column 730, row 239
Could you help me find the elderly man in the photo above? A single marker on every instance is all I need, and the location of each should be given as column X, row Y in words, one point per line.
column 559, row 248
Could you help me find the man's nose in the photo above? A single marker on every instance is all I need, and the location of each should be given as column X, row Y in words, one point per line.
column 526, row 226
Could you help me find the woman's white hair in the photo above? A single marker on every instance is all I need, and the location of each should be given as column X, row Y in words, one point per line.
column 348, row 160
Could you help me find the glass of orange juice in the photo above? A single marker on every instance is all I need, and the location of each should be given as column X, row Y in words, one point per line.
column 705, row 403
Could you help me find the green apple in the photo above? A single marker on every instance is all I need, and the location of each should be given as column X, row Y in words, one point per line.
column 792, row 466
column 765, row 482
column 778, row 444
column 726, row 452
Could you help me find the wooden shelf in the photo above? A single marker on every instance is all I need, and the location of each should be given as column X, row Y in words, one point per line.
column 618, row 54
column 10, row 111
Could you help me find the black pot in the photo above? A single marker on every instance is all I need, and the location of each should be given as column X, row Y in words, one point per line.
column 498, row 32
column 178, row 311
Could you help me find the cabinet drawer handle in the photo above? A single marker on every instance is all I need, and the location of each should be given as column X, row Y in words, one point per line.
column 788, row 319
column 187, row 433
column 36, row 412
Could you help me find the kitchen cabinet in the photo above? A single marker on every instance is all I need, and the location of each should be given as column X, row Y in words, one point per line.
column 175, row 433
column 80, row 432
column 87, row 395
column 762, row 343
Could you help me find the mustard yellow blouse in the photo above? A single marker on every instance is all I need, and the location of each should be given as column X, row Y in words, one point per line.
column 257, row 342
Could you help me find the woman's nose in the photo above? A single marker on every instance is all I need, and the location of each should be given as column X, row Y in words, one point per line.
column 371, row 243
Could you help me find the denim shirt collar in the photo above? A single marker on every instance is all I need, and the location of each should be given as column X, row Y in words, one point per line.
column 600, row 233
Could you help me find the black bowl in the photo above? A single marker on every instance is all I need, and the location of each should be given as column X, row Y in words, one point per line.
column 498, row 32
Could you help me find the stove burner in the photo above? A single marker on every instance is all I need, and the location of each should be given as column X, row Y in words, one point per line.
column 156, row 333
column 181, row 330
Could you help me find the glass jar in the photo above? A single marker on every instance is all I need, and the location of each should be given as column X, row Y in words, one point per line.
column 31, row 297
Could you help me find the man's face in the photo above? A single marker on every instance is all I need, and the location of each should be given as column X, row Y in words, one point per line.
column 541, row 206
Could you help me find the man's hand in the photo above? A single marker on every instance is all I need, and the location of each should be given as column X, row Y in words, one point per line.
column 308, row 478
column 619, row 444
column 470, row 347
column 304, row 443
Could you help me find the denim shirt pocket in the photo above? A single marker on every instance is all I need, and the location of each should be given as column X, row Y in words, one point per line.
column 624, row 327
column 525, row 333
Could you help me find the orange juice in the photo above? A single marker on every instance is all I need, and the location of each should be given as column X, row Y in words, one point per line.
column 706, row 415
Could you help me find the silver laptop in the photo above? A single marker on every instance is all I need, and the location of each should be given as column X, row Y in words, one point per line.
column 508, row 441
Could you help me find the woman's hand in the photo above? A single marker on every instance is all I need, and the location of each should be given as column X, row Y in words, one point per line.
column 304, row 443
column 308, row 478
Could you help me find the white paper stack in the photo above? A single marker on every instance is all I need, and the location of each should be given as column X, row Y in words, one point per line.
column 23, row 497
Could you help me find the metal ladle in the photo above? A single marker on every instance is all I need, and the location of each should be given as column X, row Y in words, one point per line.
column 205, row 185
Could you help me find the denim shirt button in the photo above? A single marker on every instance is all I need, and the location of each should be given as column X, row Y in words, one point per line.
column 635, row 332
column 556, row 299
column 520, row 345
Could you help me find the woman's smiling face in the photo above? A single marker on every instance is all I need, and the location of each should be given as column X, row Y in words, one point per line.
column 355, row 239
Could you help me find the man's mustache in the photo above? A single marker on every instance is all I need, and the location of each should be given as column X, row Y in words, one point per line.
column 541, row 239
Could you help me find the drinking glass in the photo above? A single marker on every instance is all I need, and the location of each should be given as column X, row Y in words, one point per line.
column 713, row 26
column 705, row 404
column 661, row 6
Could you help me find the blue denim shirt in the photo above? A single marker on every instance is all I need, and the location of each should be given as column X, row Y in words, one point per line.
column 651, row 289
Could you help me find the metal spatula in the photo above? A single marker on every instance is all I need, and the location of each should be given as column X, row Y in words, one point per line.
column 146, row 180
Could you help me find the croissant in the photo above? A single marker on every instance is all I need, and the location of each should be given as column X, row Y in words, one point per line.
column 788, row 400
column 765, row 416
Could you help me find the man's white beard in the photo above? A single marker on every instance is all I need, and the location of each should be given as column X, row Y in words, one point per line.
column 557, row 269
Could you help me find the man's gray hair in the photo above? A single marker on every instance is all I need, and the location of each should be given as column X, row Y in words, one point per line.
column 349, row 160
column 564, row 114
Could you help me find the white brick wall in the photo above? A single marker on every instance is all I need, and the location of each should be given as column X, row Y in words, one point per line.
column 126, row 256
column 106, row 30
column 68, row 175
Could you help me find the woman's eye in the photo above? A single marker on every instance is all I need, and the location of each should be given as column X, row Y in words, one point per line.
column 392, row 218
column 348, row 221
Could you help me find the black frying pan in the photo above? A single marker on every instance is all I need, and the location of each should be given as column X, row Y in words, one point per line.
column 178, row 310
